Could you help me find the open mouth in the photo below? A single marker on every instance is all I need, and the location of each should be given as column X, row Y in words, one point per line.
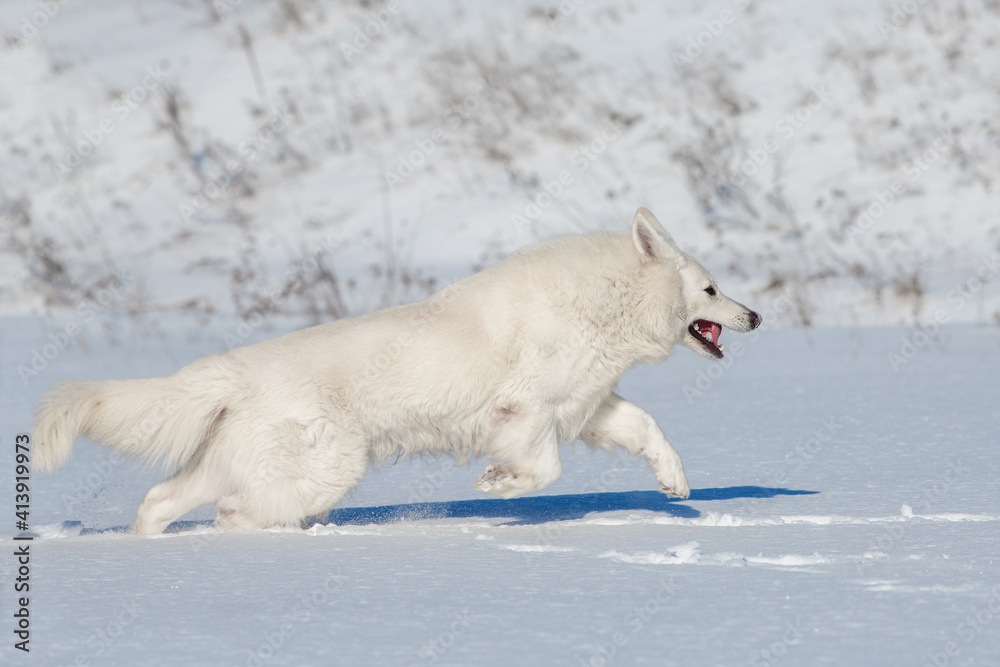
column 707, row 333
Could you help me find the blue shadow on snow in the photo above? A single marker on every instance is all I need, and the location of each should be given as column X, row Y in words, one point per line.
column 519, row 511
column 542, row 509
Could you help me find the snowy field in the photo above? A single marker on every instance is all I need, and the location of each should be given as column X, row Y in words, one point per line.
column 841, row 513
column 180, row 177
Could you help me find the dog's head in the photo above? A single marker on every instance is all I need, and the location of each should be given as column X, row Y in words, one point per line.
column 703, row 309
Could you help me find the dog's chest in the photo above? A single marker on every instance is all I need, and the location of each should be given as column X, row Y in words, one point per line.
column 581, row 396
column 572, row 414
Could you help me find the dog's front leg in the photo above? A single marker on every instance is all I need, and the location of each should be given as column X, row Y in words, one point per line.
column 618, row 422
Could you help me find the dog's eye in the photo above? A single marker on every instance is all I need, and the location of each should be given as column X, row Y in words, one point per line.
column 710, row 291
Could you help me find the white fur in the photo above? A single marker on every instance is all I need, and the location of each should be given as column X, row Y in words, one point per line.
column 504, row 364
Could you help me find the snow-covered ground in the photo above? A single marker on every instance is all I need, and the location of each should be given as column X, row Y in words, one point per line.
column 841, row 513
column 180, row 177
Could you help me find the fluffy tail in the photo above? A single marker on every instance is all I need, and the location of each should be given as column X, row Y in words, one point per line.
column 160, row 419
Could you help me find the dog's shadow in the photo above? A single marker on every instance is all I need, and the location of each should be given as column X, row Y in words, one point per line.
column 544, row 509
column 518, row 511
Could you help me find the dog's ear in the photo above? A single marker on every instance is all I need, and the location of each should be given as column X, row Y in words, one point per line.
column 652, row 242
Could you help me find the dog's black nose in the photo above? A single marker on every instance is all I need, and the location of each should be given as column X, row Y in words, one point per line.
column 754, row 320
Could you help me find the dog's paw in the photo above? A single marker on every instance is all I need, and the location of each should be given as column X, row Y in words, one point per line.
column 494, row 480
column 675, row 485
column 677, row 493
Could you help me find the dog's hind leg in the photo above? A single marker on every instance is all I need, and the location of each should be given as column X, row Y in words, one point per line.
column 172, row 499
column 303, row 470
column 618, row 422
column 232, row 516
column 529, row 452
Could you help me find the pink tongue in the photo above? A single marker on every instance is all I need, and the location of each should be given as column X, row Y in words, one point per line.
column 715, row 330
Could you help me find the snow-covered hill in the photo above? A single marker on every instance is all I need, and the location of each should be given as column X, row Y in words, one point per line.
column 349, row 155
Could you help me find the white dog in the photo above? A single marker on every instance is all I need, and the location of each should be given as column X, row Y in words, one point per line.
column 504, row 364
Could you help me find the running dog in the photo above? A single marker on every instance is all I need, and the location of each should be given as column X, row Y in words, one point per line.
column 504, row 364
